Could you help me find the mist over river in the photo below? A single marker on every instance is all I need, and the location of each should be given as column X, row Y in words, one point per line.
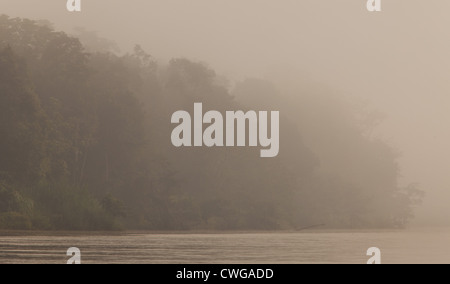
column 409, row 246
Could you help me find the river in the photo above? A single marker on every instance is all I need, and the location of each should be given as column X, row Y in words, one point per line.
column 409, row 246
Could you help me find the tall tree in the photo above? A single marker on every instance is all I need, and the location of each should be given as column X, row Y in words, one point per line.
column 21, row 118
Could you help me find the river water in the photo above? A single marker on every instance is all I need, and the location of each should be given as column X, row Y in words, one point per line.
column 410, row 246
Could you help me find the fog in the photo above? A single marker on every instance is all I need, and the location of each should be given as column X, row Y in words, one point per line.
column 396, row 61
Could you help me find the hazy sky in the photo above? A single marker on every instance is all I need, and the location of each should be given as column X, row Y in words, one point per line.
column 399, row 59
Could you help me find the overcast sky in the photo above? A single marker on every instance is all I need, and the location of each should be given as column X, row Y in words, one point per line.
column 398, row 59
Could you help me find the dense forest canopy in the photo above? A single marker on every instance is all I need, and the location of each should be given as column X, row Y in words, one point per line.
column 85, row 145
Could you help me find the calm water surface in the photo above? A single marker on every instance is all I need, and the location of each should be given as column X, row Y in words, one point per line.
column 411, row 246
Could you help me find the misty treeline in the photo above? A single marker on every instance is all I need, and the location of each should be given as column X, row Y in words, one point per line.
column 85, row 145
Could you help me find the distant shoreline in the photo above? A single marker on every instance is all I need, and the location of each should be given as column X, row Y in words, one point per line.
column 19, row 233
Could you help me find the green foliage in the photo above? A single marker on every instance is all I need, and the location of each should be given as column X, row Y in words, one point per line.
column 14, row 221
column 71, row 208
column 13, row 201
column 15, row 209
column 113, row 206
column 85, row 145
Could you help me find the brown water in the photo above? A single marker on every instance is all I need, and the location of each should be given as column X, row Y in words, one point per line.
column 411, row 246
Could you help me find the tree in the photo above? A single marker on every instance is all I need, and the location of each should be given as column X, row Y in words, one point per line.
column 21, row 123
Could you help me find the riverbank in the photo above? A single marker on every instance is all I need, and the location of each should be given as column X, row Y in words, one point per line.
column 9, row 233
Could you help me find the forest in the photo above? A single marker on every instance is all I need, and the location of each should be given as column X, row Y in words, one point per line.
column 85, row 144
